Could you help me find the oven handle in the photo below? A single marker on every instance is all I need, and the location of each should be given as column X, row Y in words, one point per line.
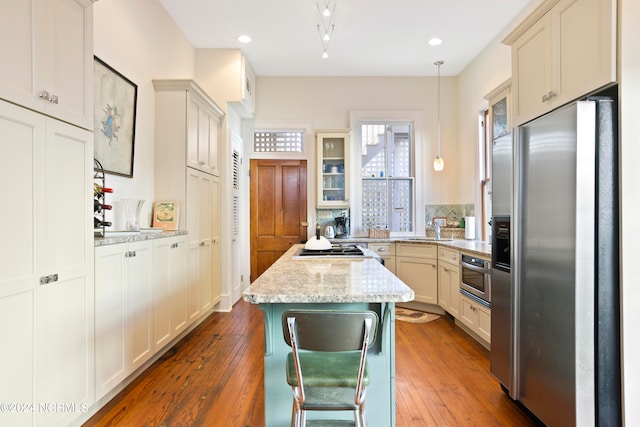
column 474, row 268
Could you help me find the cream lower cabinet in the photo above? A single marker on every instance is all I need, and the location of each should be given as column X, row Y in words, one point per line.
column 387, row 252
column 124, row 311
column 417, row 266
column 476, row 317
column 169, row 289
column 46, row 264
column 203, row 242
column 449, row 280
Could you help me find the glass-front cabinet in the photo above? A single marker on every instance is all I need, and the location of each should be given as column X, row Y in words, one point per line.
column 500, row 104
column 333, row 163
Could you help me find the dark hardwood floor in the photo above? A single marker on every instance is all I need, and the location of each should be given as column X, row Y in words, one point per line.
column 214, row 377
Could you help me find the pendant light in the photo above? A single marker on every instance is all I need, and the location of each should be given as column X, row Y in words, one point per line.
column 438, row 163
column 325, row 24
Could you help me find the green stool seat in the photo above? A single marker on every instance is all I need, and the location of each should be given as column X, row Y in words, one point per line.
column 328, row 369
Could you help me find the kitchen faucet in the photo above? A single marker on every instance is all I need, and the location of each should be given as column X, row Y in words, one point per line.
column 436, row 228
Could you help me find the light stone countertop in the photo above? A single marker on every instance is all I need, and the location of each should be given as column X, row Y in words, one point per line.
column 475, row 247
column 113, row 238
column 326, row 280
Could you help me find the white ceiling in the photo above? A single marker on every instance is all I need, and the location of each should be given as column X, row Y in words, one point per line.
column 371, row 37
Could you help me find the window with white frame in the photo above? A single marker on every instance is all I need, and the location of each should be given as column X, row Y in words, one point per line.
column 387, row 179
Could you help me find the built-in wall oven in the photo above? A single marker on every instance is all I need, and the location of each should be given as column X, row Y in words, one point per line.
column 476, row 279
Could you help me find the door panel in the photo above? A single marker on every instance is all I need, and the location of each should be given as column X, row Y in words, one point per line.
column 278, row 210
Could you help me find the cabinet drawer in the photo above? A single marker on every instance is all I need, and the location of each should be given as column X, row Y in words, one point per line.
column 451, row 256
column 420, row 250
column 383, row 249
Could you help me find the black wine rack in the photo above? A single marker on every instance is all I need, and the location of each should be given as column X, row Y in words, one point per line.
column 99, row 201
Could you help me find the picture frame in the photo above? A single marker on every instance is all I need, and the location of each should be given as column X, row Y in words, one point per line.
column 440, row 221
column 165, row 215
column 114, row 119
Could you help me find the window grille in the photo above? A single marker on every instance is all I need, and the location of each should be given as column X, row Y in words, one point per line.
column 277, row 142
column 387, row 179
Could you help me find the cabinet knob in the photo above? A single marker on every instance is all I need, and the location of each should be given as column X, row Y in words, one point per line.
column 382, row 249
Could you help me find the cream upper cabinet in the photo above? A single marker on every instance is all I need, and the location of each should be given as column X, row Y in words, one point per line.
column 500, row 110
column 203, row 132
column 226, row 75
column 333, row 169
column 564, row 50
column 49, row 44
column 247, row 89
column 187, row 127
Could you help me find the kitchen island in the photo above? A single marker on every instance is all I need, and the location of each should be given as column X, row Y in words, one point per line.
column 337, row 284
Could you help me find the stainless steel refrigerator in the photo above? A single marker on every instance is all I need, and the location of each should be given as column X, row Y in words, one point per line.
column 501, row 283
column 565, row 346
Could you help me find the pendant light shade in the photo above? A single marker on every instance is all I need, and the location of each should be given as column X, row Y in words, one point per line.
column 438, row 163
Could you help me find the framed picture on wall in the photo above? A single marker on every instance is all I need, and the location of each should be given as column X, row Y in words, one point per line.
column 440, row 220
column 165, row 215
column 114, row 119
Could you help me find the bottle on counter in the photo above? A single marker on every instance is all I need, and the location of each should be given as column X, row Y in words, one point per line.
column 98, row 189
column 97, row 206
column 97, row 223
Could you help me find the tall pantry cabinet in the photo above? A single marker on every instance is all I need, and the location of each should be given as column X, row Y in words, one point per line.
column 46, row 167
column 187, row 171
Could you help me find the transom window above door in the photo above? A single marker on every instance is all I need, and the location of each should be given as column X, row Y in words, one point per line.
column 278, row 142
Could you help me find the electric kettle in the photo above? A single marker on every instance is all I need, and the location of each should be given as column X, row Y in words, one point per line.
column 329, row 232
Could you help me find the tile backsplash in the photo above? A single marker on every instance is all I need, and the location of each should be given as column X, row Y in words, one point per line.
column 453, row 213
column 326, row 217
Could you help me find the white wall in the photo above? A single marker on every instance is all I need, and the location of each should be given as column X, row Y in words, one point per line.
column 327, row 101
column 486, row 72
column 139, row 40
column 629, row 65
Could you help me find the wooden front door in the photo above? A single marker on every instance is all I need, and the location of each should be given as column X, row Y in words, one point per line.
column 278, row 210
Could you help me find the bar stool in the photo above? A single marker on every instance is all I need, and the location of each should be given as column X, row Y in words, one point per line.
column 327, row 367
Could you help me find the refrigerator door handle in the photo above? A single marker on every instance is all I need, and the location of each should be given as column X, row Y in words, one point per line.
column 585, row 262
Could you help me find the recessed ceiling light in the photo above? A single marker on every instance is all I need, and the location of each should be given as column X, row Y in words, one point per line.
column 435, row 41
column 244, row 39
